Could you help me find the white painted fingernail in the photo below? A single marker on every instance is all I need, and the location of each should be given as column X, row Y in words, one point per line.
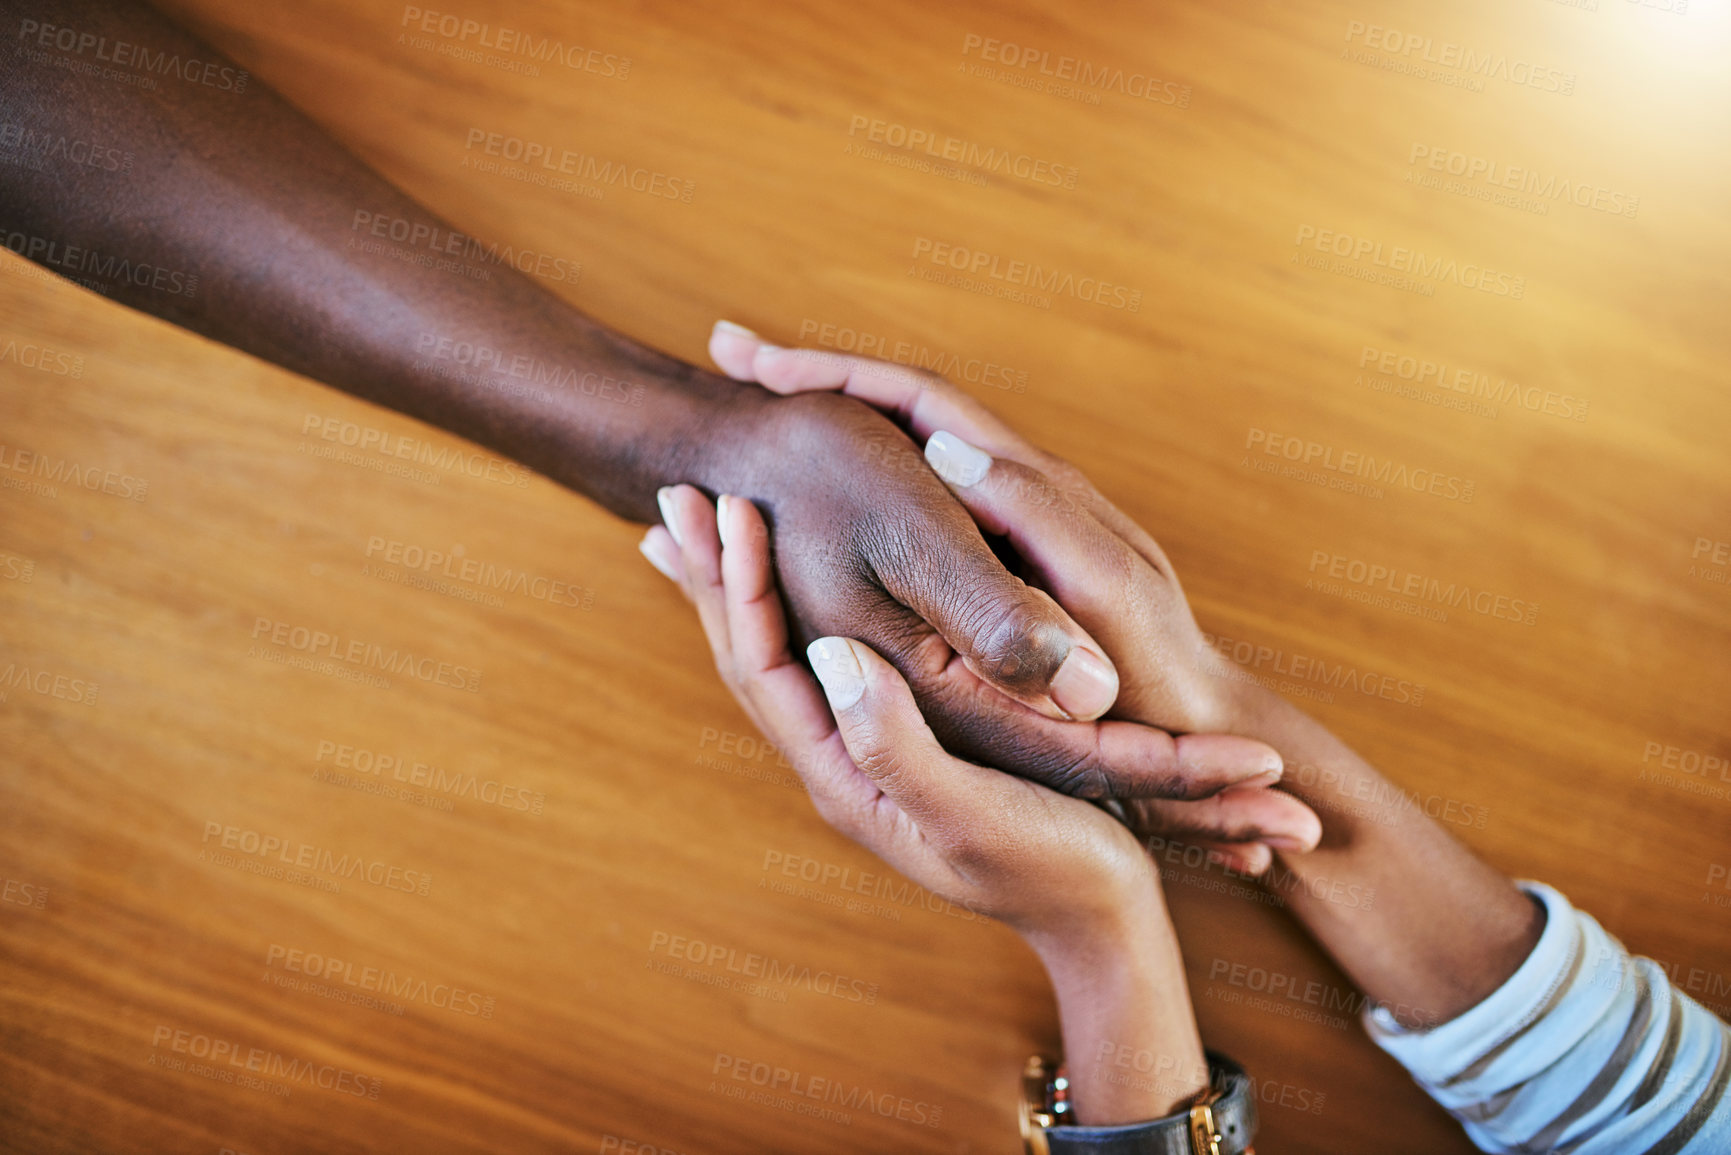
column 664, row 498
column 658, row 562
column 832, row 659
column 955, row 460
column 768, row 350
column 723, row 505
column 735, row 330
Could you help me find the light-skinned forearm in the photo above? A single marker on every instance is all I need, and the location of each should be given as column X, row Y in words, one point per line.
column 1441, row 929
column 1130, row 1039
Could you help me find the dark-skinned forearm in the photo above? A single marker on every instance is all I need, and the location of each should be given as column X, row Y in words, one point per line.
column 261, row 205
column 1440, row 931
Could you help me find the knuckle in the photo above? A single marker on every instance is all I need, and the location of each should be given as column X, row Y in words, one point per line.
column 882, row 763
column 1079, row 776
column 973, row 857
column 1065, row 475
column 1182, row 787
column 1015, row 645
column 1157, row 789
column 1024, row 486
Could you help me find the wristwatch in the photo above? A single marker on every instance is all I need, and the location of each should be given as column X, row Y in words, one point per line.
column 1220, row 1121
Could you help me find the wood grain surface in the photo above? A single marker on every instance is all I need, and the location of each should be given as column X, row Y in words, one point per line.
column 542, row 889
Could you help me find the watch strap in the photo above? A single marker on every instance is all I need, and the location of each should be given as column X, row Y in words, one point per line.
column 1234, row 1120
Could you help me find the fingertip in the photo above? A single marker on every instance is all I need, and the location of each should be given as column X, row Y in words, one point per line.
column 1085, row 685
column 839, row 671
column 669, row 513
column 955, row 461
column 733, row 348
column 659, row 549
column 724, row 519
column 1302, row 834
column 772, row 369
column 1252, row 858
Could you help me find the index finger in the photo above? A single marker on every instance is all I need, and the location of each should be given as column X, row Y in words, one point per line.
column 922, row 401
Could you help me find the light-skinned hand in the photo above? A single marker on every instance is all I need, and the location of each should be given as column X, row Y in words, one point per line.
column 1103, row 568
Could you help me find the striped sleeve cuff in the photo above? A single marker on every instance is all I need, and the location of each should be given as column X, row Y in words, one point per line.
column 1584, row 1050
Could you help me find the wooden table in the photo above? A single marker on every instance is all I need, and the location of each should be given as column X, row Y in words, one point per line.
column 556, row 905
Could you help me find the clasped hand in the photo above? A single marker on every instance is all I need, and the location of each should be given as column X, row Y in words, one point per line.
column 1067, row 875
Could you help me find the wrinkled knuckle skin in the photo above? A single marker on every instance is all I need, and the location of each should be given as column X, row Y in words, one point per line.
column 1169, row 786
column 1025, row 487
column 1066, row 476
column 1016, row 646
column 978, row 723
column 1082, row 778
column 1180, row 786
column 882, row 764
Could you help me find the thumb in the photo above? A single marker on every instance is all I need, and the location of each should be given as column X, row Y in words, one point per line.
column 1013, row 636
column 888, row 739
